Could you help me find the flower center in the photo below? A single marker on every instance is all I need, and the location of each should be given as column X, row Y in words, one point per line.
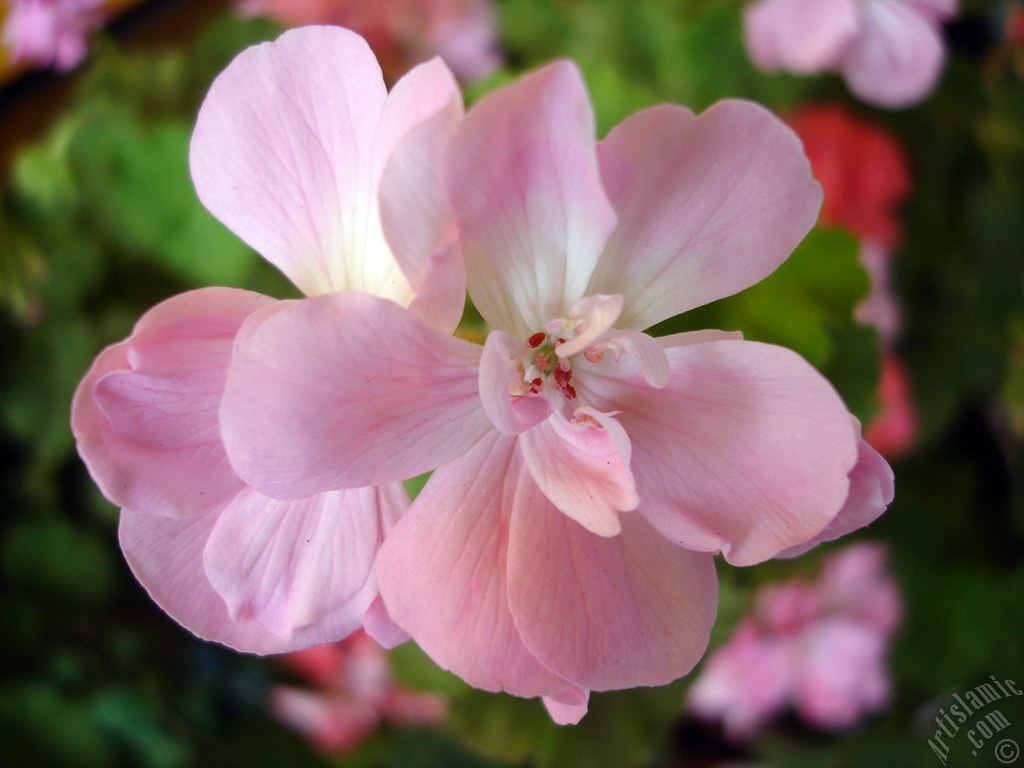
column 542, row 363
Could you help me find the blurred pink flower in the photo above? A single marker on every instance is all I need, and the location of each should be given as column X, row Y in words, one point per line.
column 300, row 150
column 51, row 32
column 818, row 648
column 586, row 473
column 890, row 52
column 893, row 430
column 355, row 693
column 403, row 32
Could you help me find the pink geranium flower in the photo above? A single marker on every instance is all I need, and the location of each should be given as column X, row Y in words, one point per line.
column 355, row 694
column 890, row 52
column 587, row 472
column 301, row 151
column 403, row 32
column 51, row 32
column 819, row 648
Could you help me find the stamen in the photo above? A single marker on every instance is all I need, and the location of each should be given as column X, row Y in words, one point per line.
column 536, row 340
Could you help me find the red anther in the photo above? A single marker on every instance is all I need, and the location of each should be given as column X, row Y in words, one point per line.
column 560, row 340
column 537, row 382
column 536, row 340
column 570, row 391
column 562, row 376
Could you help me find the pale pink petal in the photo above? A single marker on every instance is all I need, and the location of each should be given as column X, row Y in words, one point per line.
column 289, row 564
column 747, row 449
column 281, row 154
column 707, row 206
column 801, row 36
column 582, row 466
column 501, row 382
column 441, row 298
column 589, row 318
column 166, row 556
column 523, row 181
column 145, row 416
column 940, row 10
column 379, row 625
column 842, row 674
column 646, row 352
column 606, row 613
column 442, row 573
column 871, row 492
column 347, row 390
column 420, row 117
column 567, row 707
column 897, row 59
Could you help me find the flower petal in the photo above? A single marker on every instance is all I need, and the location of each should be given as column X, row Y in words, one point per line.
column 897, row 59
column 442, row 573
column 290, row 564
column 582, row 466
column 747, row 449
column 606, row 613
column 145, row 416
column 522, row 178
column 416, row 220
column 800, row 36
column 871, row 492
column 707, row 206
column 166, row 556
column 344, row 391
column 499, row 375
column 282, row 154
column 567, row 707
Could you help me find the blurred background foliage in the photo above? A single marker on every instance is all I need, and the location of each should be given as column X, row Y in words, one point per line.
column 99, row 221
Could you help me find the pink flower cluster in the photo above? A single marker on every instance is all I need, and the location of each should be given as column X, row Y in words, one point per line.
column 585, row 473
column 403, row 33
column 818, row 648
column 889, row 52
column 354, row 693
column 51, row 32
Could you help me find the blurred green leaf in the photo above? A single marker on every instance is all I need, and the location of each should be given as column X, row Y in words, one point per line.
column 141, row 194
column 41, row 727
column 58, row 560
column 132, row 720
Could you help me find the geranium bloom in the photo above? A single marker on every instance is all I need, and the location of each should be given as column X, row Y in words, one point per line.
column 355, row 694
column 889, row 52
column 586, row 471
column 301, row 151
column 819, row 648
column 51, row 32
column 403, row 32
